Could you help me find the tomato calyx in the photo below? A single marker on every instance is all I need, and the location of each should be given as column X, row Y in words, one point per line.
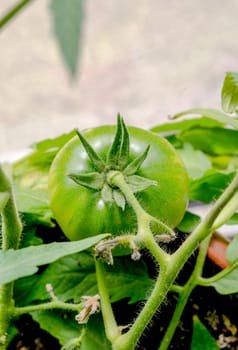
column 117, row 159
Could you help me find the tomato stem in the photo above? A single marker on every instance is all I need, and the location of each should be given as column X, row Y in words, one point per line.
column 184, row 294
column 10, row 235
column 54, row 304
column 169, row 271
column 111, row 328
column 116, row 178
column 144, row 234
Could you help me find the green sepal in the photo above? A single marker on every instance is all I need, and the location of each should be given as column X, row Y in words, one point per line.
column 97, row 162
column 118, row 154
column 125, row 147
column 93, row 181
column 107, row 193
column 136, row 163
column 139, row 183
column 119, row 199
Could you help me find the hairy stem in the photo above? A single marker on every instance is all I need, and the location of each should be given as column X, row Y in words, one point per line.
column 144, row 233
column 10, row 235
column 11, row 223
column 208, row 281
column 129, row 340
column 56, row 304
column 111, row 328
column 176, row 262
column 206, row 225
column 184, row 295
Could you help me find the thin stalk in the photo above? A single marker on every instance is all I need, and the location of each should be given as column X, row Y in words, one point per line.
column 11, row 223
column 174, row 321
column 13, row 12
column 184, row 295
column 56, row 304
column 129, row 340
column 208, row 281
column 205, row 227
column 111, row 328
column 10, row 235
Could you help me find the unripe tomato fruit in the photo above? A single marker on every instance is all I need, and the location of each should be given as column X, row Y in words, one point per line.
column 81, row 212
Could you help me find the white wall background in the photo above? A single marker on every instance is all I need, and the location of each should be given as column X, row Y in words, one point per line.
column 145, row 59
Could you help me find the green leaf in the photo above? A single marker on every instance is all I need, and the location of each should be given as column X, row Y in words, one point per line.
column 23, row 262
column 189, row 222
column 61, row 325
column 29, row 237
column 186, row 124
column 232, row 250
column 227, row 212
column 201, row 338
column 93, row 181
column 227, row 284
column 11, row 333
column 134, row 278
column 229, row 92
column 94, row 337
column 215, row 141
column 210, row 113
column 71, row 277
column 210, row 186
column 32, row 170
column 54, row 143
column 32, row 201
column 233, row 220
column 196, row 162
column 74, row 276
column 68, row 332
column 67, row 23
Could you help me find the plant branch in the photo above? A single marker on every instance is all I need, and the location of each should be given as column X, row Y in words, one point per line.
column 184, row 294
column 11, row 223
column 206, row 225
column 129, row 340
column 144, row 234
column 10, row 235
column 208, row 281
column 111, row 328
column 54, row 304
column 13, row 12
column 201, row 233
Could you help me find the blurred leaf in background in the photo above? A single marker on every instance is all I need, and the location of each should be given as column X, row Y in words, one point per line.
column 67, row 17
column 229, row 92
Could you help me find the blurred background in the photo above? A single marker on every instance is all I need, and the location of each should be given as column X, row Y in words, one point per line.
column 146, row 59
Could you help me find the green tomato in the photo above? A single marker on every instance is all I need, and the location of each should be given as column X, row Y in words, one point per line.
column 82, row 212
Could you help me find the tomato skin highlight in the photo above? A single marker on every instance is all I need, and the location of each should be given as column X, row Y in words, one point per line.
column 81, row 212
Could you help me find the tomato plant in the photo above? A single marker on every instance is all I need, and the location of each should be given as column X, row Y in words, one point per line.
column 81, row 295
column 85, row 204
